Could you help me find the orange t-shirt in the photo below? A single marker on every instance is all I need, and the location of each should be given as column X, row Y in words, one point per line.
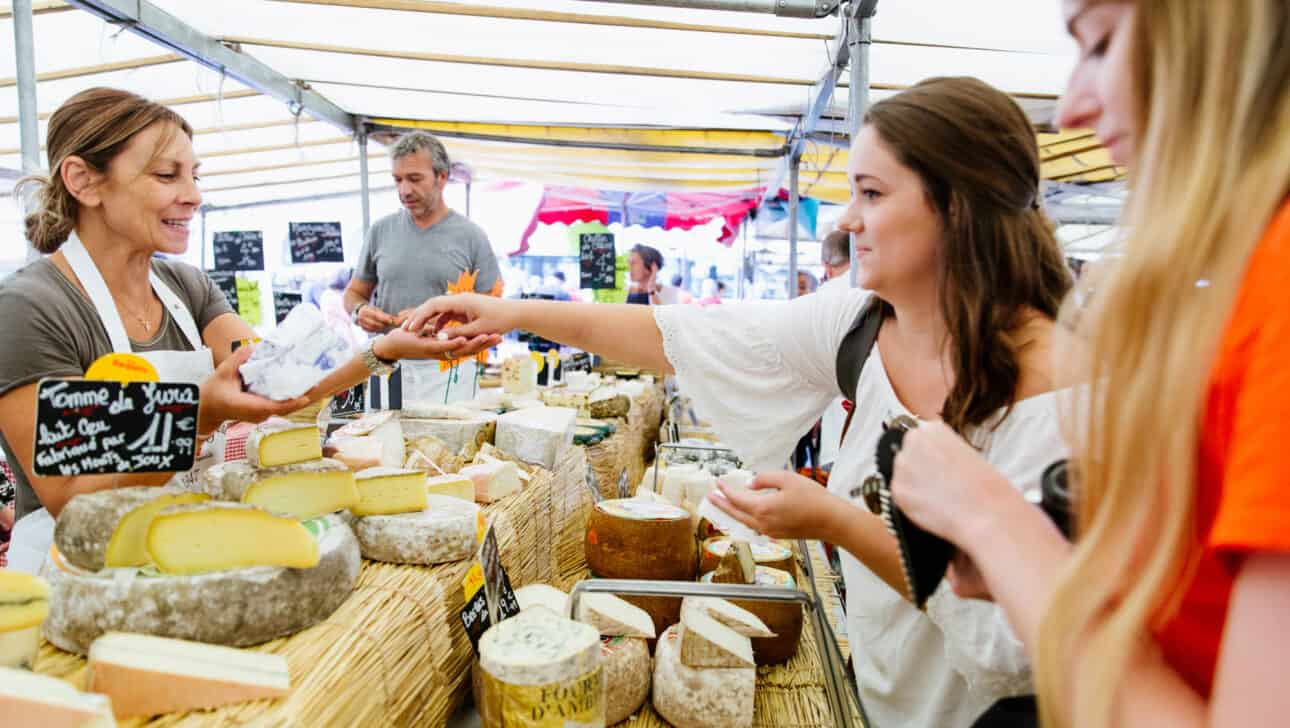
column 1243, row 469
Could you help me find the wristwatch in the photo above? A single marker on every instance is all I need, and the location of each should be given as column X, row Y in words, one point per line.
column 353, row 315
column 375, row 364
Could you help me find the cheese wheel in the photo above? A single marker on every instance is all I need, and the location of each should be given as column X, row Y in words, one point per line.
column 708, row 697
column 445, row 531
column 627, row 667
column 636, row 539
column 782, row 618
column 541, row 670
column 238, row 607
column 772, row 554
column 108, row 527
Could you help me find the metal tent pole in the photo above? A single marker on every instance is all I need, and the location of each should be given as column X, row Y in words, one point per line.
column 793, row 166
column 29, row 132
column 743, row 263
column 364, row 186
column 858, row 42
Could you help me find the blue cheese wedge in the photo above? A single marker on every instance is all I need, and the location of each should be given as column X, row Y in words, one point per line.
column 541, row 670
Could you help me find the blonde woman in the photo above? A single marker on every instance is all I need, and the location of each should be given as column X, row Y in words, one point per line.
column 122, row 188
column 1173, row 608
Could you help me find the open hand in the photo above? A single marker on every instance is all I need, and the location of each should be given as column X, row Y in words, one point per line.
column 477, row 315
column 780, row 504
column 403, row 344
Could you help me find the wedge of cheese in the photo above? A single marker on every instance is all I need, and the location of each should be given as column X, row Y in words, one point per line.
column 304, row 493
column 28, row 700
column 282, row 443
column 493, row 481
column 382, row 427
column 614, row 617
column 145, row 675
column 451, row 485
column 537, row 435
column 543, row 595
column 386, row 491
column 107, row 528
column 24, row 604
column 222, row 536
column 705, row 642
column 736, row 618
column 357, row 453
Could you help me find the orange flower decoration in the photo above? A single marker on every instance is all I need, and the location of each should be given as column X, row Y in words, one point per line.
column 465, row 283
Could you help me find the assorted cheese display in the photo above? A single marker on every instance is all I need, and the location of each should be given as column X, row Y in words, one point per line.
column 24, row 603
column 145, row 675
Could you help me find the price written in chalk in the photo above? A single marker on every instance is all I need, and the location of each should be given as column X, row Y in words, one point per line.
column 315, row 242
column 238, row 250
column 96, row 427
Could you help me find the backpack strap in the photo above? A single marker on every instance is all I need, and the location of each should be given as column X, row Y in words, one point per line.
column 854, row 350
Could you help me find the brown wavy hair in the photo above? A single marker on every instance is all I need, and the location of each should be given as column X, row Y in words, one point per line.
column 95, row 125
column 978, row 159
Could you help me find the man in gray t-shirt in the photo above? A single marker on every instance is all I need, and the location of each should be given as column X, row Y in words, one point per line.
column 418, row 252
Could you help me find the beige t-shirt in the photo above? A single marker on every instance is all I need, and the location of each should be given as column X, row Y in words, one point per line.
column 49, row 328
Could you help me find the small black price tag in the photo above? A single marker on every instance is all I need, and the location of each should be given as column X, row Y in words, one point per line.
column 474, row 617
column 227, row 283
column 596, row 260
column 284, row 301
column 88, row 427
column 580, row 362
column 352, row 401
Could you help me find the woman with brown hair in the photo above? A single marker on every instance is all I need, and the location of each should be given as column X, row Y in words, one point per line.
column 122, row 188
column 1173, row 606
column 952, row 247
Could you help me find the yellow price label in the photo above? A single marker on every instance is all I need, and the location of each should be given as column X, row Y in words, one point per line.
column 473, row 581
column 538, row 359
column 122, row 368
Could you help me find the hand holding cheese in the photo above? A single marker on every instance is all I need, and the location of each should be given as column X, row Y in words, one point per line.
column 779, row 505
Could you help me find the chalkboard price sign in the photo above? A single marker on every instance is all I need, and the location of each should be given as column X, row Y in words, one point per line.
column 315, row 242
column 596, row 260
column 227, row 283
column 239, row 250
column 87, row 427
column 352, row 401
column 284, row 301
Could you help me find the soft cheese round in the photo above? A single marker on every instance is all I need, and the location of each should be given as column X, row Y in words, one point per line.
column 445, row 531
column 239, row 607
column 708, row 697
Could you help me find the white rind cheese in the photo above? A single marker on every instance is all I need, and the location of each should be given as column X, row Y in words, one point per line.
column 271, row 444
column 462, row 435
column 383, row 427
column 28, row 700
column 628, row 668
column 239, row 607
column 493, row 480
column 706, row 642
column 146, row 675
column 445, row 531
column 537, row 435
column 454, row 485
column 736, row 618
column 614, row 617
column 711, row 697
column 519, row 375
column 543, row 595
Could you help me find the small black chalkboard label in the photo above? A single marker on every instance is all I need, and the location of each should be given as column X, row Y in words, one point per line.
column 596, row 260
column 580, row 362
column 315, row 242
column 86, row 427
column 239, row 250
column 474, row 617
column 352, row 401
column 497, row 584
column 284, row 301
column 227, row 283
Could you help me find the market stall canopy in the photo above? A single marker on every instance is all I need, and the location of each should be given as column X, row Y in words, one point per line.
column 619, row 97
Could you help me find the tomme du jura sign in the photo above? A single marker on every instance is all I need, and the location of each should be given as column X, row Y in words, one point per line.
column 315, row 242
column 239, row 250
column 86, row 427
column 596, row 260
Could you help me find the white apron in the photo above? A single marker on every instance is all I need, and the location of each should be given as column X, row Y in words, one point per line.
column 424, row 382
column 34, row 533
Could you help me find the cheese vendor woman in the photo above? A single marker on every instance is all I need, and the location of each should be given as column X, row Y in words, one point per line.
column 950, row 239
column 123, row 188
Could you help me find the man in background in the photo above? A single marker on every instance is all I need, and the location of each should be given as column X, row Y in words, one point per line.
column 424, row 250
column 835, row 254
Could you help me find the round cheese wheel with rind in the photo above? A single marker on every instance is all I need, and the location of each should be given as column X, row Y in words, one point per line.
column 239, row 607
column 445, row 531
column 772, row 554
column 628, row 670
column 783, row 618
column 708, row 697
column 638, row 539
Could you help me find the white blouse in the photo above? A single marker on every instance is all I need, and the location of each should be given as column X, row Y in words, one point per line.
column 762, row 373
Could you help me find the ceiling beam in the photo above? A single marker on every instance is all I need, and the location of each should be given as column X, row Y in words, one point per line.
column 51, row 6
column 79, row 71
column 177, row 101
column 155, row 24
